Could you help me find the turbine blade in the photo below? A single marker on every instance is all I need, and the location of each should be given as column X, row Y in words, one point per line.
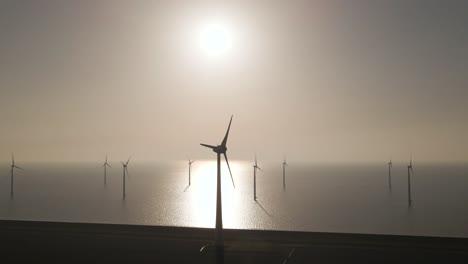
column 12, row 159
column 229, row 167
column 208, row 146
column 122, row 163
column 128, row 160
column 19, row 167
column 108, row 165
column 227, row 133
column 259, row 168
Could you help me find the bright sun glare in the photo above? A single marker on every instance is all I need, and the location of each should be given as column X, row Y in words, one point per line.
column 215, row 39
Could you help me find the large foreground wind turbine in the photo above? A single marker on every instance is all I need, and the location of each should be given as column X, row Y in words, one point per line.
column 220, row 149
column 12, row 172
column 125, row 170
column 189, row 170
column 390, row 165
column 255, row 166
column 105, row 165
column 284, row 172
column 410, row 172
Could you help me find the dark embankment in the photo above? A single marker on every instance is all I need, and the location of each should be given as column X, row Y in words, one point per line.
column 30, row 241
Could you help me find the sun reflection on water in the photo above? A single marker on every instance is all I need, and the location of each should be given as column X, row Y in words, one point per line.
column 202, row 202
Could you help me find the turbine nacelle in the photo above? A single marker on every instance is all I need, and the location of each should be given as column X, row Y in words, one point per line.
column 256, row 165
column 125, row 164
column 410, row 166
column 220, row 149
column 189, row 160
column 13, row 165
column 106, row 164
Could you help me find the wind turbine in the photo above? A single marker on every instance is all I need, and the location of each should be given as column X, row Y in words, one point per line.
column 255, row 166
column 390, row 165
column 189, row 170
column 12, row 171
column 125, row 170
column 220, row 149
column 410, row 172
column 105, row 165
column 284, row 172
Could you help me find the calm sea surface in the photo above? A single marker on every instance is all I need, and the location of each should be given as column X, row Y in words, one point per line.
column 326, row 198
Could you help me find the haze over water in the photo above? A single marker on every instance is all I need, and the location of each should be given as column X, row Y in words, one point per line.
column 352, row 198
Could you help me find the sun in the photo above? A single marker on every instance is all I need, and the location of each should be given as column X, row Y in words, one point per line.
column 215, row 39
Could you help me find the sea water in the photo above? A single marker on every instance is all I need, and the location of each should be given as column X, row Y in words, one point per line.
column 350, row 198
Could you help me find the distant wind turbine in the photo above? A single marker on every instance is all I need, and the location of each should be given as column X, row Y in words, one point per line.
column 105, row 165
column 255, row 166
column 390, row 165
column 125, row 170
column 220, row 149
column 12, row 172
column 189, row 170
column 284, row 172
column 410, row 172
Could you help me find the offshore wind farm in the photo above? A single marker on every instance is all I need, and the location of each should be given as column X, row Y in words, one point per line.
column 320, row 197
column 361, row 202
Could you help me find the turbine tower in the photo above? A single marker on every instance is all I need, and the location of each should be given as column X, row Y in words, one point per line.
column 12, row 172
column 125, row 170
column 220, row 149
column 105, row 165
column 410, row 172
column 255, row 166
column 189, row 170
column 284, row 172
column 390, row 165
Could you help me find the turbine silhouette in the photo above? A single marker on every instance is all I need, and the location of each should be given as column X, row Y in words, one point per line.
column 189, row 170
column 390, row 165
column 105, row 165
column 284, row 172
column 125, row 170
column 12, row 172
column 410, row 172
column 255, row 166
column 220, row 149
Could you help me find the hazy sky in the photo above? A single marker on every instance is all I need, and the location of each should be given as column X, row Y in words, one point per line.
column 318, row 80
